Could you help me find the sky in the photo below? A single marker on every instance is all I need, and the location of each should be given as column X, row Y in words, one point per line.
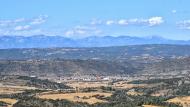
column 84, row 18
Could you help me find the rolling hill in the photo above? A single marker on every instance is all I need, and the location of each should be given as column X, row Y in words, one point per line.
column 121, row 60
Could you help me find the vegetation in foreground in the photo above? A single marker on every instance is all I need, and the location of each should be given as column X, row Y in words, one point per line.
column 173, row 88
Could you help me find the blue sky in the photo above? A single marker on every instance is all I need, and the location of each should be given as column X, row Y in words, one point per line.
column 83, row 18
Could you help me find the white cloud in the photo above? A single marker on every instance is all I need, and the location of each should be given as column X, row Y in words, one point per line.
column 82, row 31
column 174, row 11
column 5, row 23
column 84, row 28
column 31, row 26
column 184, row 24
column 22, row 21
column 74, row 32
column 132, row 22
column 24, row 32
column 123, row 22
column 19, row 28
column 22, row 25
column 96, row 22
column 110, row 22
column 153, row 21
column 69, row 32
column 19, row 20
column 39, row 20
column 136, row 21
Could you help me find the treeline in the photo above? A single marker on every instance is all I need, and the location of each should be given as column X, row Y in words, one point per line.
column 174, row 86
column 3, row 104
column 23, row 95
column 44, row 84
column 154, row 81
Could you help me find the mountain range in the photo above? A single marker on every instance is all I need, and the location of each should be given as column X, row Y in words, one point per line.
column 43, row 41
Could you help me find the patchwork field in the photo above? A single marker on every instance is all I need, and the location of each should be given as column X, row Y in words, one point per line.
column 9, row 101
column 117, row 85
column 185, row 101
column 78, row 97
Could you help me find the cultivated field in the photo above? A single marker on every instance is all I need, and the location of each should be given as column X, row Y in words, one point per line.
column 77, row 97
column 117, row 85
column 185, row 101
column 134, row 93
column 150, row 106
column 87, row 84
column 125, row 85
column 9, row 101
column 14, row 89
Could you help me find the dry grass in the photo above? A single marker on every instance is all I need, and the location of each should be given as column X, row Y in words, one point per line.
column 134, row 93
column 9, row 101
column 185, row 101
column 125, row 85
column 9, row 90
column 160, row 93
column 87, row 84
column 150, row 106
column 14, row 89
column 77, row 97
column 117, row 85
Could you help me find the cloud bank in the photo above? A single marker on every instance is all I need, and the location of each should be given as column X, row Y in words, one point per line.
column 152, row 21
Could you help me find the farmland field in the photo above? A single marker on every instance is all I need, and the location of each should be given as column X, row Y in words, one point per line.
column 87, row 84
column 77, row 97
column 14, row 89
column 185, row 101
column 150, row 106
column 8, row 101
column 126, row 85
